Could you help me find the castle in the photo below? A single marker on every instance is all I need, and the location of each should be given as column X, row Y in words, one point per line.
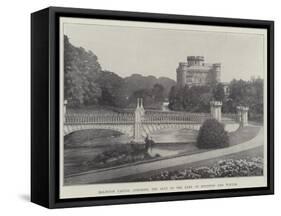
column 196, row 72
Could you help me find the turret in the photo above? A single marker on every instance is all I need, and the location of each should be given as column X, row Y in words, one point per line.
column 217, row 72
column 181, row 73
column 191, row 60
column 195, row 60
column 200, row 60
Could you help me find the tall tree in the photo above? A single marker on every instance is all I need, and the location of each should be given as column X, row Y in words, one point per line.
column 73, row 81
column 112, row 89
column 81, row 69
column 158, row 92
column 177, row 99
column 218, row 92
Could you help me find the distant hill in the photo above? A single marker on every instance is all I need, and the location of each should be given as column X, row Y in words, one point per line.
column 137, row 82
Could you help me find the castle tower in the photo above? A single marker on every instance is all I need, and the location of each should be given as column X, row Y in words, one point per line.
column 216, row 72
column 181, row 73
column 199, row 60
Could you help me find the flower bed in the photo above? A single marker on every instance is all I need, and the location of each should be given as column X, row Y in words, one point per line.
column 222, row 168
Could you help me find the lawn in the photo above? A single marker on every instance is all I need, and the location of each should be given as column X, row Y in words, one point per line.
column 243, row 134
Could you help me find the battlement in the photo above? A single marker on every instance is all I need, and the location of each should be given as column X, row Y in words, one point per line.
column 192, row 58
column 217, row 65
column 183, row 64
column 195, row 60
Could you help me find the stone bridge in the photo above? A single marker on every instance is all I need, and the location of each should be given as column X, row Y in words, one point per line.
column 141, row 123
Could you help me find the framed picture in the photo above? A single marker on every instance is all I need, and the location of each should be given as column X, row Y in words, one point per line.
column 138, row 107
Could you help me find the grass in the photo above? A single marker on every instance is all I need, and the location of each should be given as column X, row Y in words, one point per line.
column 175, row 146
column 243, row 135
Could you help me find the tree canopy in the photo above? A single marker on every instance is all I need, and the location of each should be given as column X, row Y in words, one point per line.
column 81, row 70
column 197, row 98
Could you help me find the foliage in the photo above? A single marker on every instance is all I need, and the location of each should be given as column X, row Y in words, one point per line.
column 175, row 99
column 137, row 82
column 81, row 71
column 197, row 98
column 218, row 92
column 191, row 99
column 122, row 154
column 142, row 93
column 157, row 92
column 152, row 98
column 222, row 168
column 212, row 135
column 246, row 93
column 112, row 89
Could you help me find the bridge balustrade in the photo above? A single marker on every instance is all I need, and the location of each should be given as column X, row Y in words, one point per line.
column 149, row 117
column 74, row 118
column 175, row 117
column 230, row 117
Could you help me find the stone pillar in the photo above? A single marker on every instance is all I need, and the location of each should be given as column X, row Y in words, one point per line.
column 239, row 117
column 141, row 107
column 242, row 112
column 64, row 110
column 137, row 123
column 216, row 110
column 212, row 109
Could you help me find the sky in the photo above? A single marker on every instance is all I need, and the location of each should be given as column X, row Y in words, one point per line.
column 153, row 51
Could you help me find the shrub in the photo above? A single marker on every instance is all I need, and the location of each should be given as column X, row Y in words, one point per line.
column 212, row 135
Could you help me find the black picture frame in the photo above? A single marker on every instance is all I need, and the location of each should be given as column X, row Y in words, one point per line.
column 45, row 109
